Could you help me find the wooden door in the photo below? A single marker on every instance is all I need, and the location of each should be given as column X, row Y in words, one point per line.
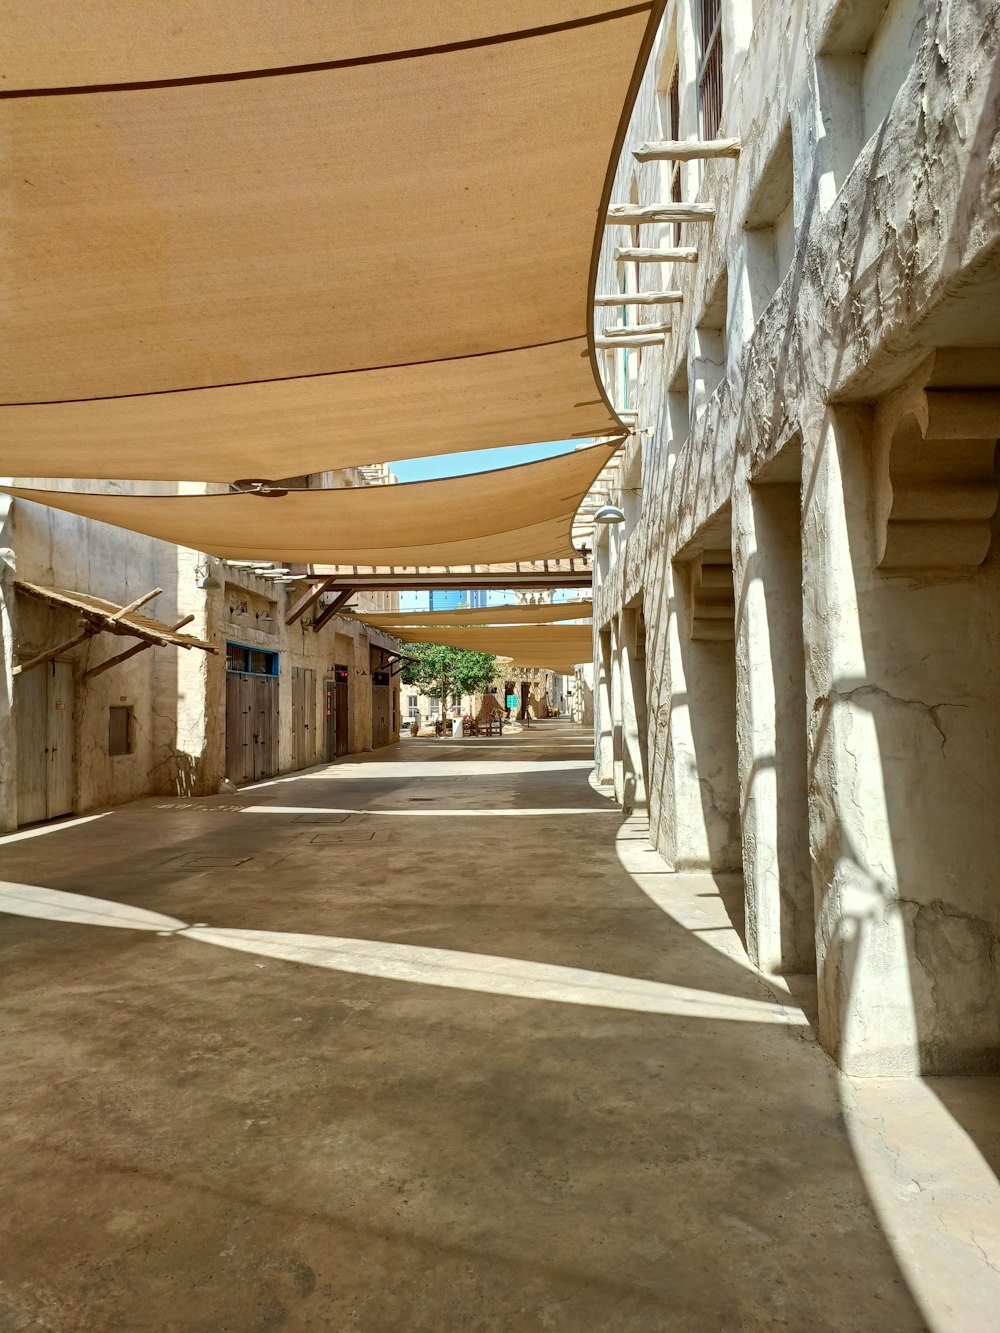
column 60, row 739
column 31, row 691
column 303, row 717
column 45, row 742
column 239, row 743
column 329, row 721
column 265, row 726
column 340, row 713
column 380, row 715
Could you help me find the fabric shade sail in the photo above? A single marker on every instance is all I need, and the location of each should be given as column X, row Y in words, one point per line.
column 517, row 513
column 332, row 234
column 558, row 647
column 516, row 613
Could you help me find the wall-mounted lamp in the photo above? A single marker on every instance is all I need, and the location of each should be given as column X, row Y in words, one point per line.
column 609, row 513
column 205, row 578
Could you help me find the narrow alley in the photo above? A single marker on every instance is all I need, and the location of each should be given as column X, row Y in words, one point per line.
column 429, row 1039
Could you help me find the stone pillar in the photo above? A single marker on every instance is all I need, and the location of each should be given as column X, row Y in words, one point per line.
column 770, row 663
column 633, row 678
column 902, row 629
column 603, row 728
column 617, row 709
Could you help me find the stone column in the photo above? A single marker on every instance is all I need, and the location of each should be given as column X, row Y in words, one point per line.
column 617, row 705
column 902, row 627
column 603, row 725
column 780, row 916
column 633, row 677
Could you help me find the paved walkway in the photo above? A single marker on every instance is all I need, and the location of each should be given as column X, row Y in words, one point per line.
column 427, row 1041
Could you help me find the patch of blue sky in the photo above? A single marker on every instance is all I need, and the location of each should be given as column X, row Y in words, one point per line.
column 462, row 465
column 478, row 460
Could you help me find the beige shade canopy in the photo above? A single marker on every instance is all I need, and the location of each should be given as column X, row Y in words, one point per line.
column 273, row 240
column 518, row 513
column 558, row 647
column 516, row 613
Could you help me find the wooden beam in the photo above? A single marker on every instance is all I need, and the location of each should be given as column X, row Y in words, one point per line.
column 640, row 254
column 618, row 331
column 133, row 606
column 631, row 215
column 647, row 340
column 311, row 595
column 639, row 298
column 685, row 150
column 88, row 633
column 329, row 611
column 131, row 652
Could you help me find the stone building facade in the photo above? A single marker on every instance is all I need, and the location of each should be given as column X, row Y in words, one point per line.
column 175, row 706
column 797, row 625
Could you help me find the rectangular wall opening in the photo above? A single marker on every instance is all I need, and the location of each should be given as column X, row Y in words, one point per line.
column 781, row 917
column 770, row 227
column 708, row 351
column 864, row 58
column 705, row 770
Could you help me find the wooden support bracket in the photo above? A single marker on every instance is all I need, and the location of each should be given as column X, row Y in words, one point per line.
column 132, row 652
column 647, row 254
column 686, row 150
column 308, row 598
column 47, row 656
column 631, row 215
column 330, row 611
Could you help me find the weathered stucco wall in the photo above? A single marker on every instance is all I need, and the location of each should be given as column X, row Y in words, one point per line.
column 842, row 745
column 177, row 697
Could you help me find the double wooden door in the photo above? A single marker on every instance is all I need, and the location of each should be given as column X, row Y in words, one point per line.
column 44, row 699
column 335, row 716
column 251, row 727
column 381, row 715
column 303, row 717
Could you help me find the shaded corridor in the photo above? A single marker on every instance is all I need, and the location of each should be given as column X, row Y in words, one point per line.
column 416, row 1042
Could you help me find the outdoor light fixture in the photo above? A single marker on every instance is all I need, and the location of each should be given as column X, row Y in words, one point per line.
column 609, row 513
column 205, row 578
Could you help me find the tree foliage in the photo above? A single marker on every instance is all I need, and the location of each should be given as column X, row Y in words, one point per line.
column 441, row 671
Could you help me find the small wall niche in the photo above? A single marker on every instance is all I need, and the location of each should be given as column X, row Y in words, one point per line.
column 864, row 58
column 770, row 226
column 708, row 352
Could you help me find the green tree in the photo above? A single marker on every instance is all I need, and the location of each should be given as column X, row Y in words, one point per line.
column 442, row 672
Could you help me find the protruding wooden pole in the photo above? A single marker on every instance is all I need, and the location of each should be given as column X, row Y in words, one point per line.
column 134, row 606
column 640, row 254
column 631, row 215
column 686, row 150
column 133, row 652
column 47, row 656
column 617, row 331
column 639, row 298
column 647, row 340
